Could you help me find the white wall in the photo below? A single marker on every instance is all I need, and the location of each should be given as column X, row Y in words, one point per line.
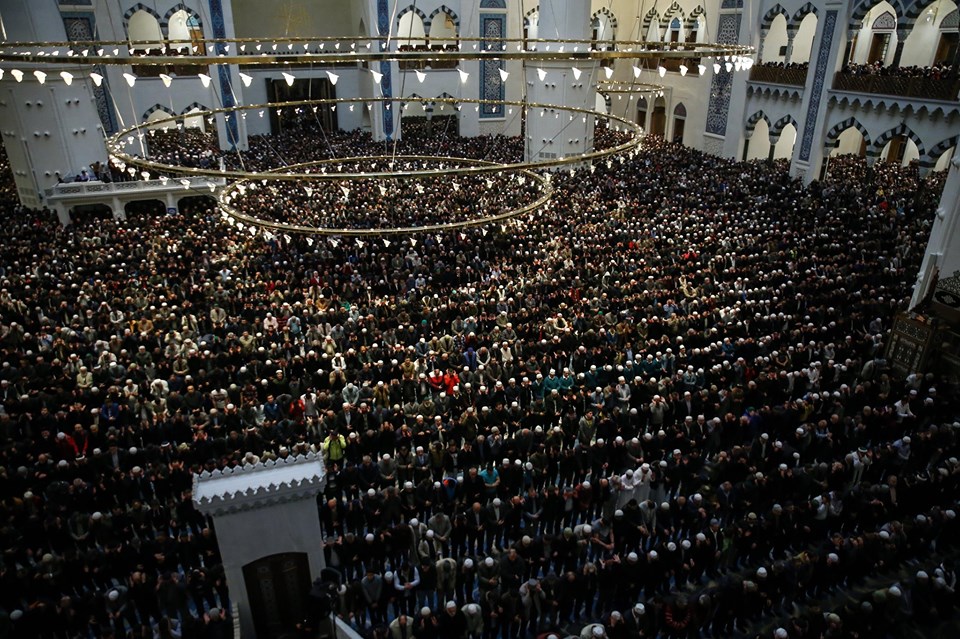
column 865, row 35
column 803, row 40
column 785, row 143
column 776, row 39
column 944, row 162
column 759, row 147
column 295, row 18
column 921, row 43
column 848, row 143
column 909, row 155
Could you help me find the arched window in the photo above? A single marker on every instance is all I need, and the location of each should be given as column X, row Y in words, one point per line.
column 444, row 29
column 603, row 28
column 184, row 32
column 143, row 32
column 679, row 120
column 193, row 121
column 675, row 28
column 531, row 26
column 411, row 32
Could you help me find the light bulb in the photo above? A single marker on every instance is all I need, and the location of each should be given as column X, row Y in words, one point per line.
column 167, row 80
column 716, row 67
column 289, row 77
column 576, row 73
column 463, row 76
column 333, row 77
column 541, row 74
column 67, row 77
column 683, row 69
column 377, row 76
column 662, row 71
column 636, row 72
column 421, row 76
column 608, row 71
column 97, row 78
column 504, row 75
column 701, row 68
column 40, row 75
column 246, row 79
column 130, row 78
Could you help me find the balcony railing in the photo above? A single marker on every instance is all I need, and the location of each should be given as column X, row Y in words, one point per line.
column 793, row 76
column 909, row 87
column 70, row 190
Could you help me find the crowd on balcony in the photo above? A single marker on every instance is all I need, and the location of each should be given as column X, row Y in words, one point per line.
column 799, row 66
column 934, row 72
column 660, row 408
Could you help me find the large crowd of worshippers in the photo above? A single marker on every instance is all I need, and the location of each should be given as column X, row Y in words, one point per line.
column 659, row 408
column 386, row 203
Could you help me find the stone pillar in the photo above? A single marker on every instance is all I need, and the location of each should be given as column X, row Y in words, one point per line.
column 942, row 257
column 791, row 38
column 47, row 128
column 808, row 152
column 898, row 54
column 116, row 206
column 552, row 134
column 171, row 201
column 763, row 41
column 848, row 48
column 259, row 511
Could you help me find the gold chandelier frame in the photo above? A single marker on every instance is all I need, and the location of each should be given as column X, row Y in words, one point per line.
column 116, row 144
column 334, row 50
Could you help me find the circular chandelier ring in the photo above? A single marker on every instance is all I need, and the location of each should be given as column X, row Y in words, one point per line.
column 116, row 143
column 218, row 51
column 229, row 192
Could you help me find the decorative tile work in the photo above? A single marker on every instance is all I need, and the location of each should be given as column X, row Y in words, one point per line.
column 492, row 26
column 493, row 4
column 386, row 83
column 731, row 4
column 713, row 146
column 728, row 32
column 885, row 21
column 820, row 74
column 223, row 71
column 79, row 27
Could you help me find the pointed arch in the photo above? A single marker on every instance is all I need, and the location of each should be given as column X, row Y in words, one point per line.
column 754, row 119
column 192, row 106
column 141, row 7
column 939, row 149
column 781, row 124
column 833, row 135
column 802, row 13
column 531, row 16
column 675, row 10
column 916, row 9
column 158, row 107
column 603, row 11
column 444, row 106
column 408, row 32
column 165, row 23
column 863, row 7
column 652, row 15
column 443, row 9
column 416, row 97
column 693, row 20
column 770, row 16
column 889, row 134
